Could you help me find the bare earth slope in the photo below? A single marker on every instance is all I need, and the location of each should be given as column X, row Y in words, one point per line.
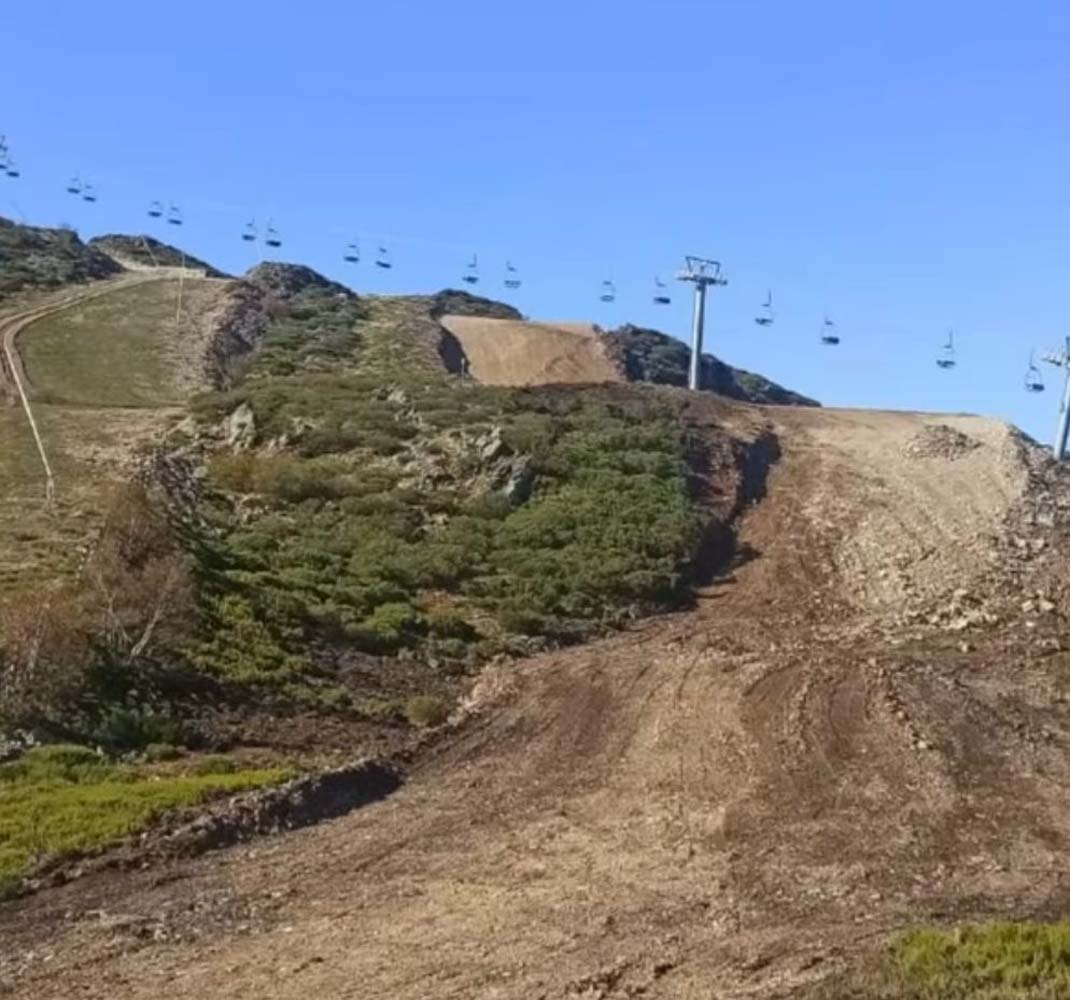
column 515, row 352
column 862, row 728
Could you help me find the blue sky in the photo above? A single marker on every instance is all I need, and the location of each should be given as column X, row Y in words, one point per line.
column 904, row 165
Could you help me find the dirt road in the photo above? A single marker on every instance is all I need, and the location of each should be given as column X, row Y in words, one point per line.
column 860, row 728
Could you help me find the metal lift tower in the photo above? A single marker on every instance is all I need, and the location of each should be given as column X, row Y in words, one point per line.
column 702, row 274
column 1061, row 359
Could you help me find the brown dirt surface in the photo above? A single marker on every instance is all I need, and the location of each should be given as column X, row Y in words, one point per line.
column 515, row 352
column 861, row 726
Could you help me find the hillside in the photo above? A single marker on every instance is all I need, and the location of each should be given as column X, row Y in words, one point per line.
column 843, row 738
column 32, row 257
column 139, row 252
column 651, row 356
column 639, row 690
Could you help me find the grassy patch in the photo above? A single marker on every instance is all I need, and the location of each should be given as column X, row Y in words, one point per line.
column 997, row 961
column 59, row 800
column 120, row 349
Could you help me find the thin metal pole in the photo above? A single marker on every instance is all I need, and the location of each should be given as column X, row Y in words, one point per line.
column 694, row 380
column 1063, row 431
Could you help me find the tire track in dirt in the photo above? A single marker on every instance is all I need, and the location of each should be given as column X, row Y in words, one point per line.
column 731, row 800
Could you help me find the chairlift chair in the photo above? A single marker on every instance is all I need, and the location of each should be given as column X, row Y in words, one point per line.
column 382, row 259
column 829, row 336
column 946, row 359
column 609, row 291
column 512, row 279
column 248, row 234
column 471, row 274
column 174, row 215
column 661, row 294
column 765, row 317
column 352, row 254
column 271, row 237
column 74, row 186
column 89, row 193
column 156, row 210
column 1034, row 380
column 11, row 169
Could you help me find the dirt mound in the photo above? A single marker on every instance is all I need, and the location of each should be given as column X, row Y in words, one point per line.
column 514, row 352
column 940, row 441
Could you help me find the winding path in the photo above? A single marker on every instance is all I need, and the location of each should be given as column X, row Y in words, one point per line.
column 11, row 367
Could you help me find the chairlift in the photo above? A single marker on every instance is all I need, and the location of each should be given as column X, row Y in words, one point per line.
column 89, row 193
column 352, row 254
column 765, row 317
column 829, row 336
column 382, row 259
column 174, row 215
column 248, row 234
column 271, row 237
column 512, row 279
column 11, row 169
column 946, row 359
column 609, row 291
column 661, row 293
column 1034, row 380
column 156, row 210
column 74, row 186
column 471, row 274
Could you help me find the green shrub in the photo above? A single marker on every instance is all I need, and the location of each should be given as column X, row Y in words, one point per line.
column 215, row 764
column 123, row 727
column 156, row 753
column 426, row 711
column 388, row 628
column 449, row 623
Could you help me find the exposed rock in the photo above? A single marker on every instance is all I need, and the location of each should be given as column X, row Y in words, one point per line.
column 452, row 302
column 35, row 257
column 241, row 427
column 283, row 281
column 647, row 355
column 940, row 441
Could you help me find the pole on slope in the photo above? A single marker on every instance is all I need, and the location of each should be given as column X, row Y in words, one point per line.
column 702, row 273
column 1062, row 432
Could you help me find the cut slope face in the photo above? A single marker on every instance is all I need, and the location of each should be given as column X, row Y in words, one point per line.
column 729, row 802
column 514, row 352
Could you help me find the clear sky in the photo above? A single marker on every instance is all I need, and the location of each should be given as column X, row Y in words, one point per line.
column 904, row 165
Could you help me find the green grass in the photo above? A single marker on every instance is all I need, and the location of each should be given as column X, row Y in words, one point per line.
column 119, row 349
column 996, row 961
column 57, row 801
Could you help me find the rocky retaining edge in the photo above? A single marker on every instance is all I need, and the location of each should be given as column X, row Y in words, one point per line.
column 303, row 801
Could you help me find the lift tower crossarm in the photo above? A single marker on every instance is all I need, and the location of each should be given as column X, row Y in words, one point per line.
column 702, row 273
column 1061, row 359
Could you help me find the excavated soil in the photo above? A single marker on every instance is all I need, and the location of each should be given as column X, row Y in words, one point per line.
column 862, row 726
column 514, row 352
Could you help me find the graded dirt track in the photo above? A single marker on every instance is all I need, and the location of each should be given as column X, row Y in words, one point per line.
column 514, row 352
column 860, row 728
